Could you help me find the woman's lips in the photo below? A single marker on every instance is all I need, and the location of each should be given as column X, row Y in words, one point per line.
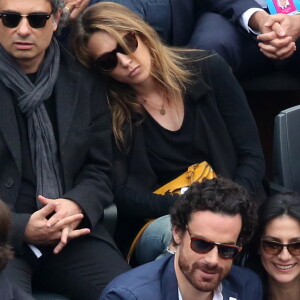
column 134, row 71
column 284, row 268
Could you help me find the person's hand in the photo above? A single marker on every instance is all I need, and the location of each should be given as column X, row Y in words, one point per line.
column 257, row 21
column 38, row 232
column 75, row 8
column 275, row 43
column 64, row 212
column 289, row 24
column 280, row 42
column 277, row 48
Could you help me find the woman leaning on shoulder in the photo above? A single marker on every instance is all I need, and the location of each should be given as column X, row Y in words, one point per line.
column 171, row 108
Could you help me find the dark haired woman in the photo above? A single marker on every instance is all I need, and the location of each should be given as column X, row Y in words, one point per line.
column 277, row 242
column 278, row 239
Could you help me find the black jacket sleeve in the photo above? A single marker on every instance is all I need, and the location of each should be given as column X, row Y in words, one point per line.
column 136, row 200
column 234, row 109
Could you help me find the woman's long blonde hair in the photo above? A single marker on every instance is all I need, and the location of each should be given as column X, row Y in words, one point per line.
column 168, row 66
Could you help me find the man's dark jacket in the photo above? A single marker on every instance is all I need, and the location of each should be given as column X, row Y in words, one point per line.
column 84, row 142
column 157, row 280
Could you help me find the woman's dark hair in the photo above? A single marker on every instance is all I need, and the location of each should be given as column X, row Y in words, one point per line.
column 5, row 221
column 278, row 205
column 275, row 206
column 219, row 195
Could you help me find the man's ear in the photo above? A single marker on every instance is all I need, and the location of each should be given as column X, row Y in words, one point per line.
column 177, row 235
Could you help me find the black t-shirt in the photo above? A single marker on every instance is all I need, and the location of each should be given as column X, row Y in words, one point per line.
column 172, row 152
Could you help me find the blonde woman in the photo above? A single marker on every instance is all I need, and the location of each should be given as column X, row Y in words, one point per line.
column 170, row 108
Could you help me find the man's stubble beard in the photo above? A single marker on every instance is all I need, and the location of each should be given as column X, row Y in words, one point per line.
column 191, row 277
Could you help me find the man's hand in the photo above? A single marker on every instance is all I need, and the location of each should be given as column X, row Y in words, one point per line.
column 65, row 209
column 38, row 233
column 257, row 21
column 289, row 24
column 278, row 34
column 280, row 42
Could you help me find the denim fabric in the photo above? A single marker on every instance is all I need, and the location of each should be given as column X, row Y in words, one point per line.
column 154, row 241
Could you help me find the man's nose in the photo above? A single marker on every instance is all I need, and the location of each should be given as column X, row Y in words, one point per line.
column 24, row 27
column 212, row 257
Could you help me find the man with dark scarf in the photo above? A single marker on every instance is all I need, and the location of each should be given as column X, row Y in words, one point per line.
column 55, row 148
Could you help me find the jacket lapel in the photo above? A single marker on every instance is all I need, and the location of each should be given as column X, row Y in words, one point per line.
column 169, row 285
column 9, row 125
column 66, row 95
column 229, row 295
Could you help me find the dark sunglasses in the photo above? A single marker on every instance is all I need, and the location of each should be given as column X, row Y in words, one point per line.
column 274, row 248
column 203, row 246
column 108, row 61
column 36, row 20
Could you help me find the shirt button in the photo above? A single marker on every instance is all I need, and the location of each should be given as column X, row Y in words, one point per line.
column 9, row 182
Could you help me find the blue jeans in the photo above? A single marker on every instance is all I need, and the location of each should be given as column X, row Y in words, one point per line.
column 154, row 241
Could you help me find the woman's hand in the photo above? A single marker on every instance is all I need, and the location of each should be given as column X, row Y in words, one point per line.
column 75, row 8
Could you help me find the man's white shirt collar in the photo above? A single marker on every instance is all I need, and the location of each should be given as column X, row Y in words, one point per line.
column 217, row 294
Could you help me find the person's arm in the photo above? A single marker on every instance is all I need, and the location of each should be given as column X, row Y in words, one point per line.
column 230, row 9
column 136, row 202
column 118, row 294
column 92, row 187
column 86, row 158
column 19, row 223
column 139, row 204
column 240, row 123
column 279, row 32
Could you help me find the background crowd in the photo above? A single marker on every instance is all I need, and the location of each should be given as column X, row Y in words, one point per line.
column 151, row 90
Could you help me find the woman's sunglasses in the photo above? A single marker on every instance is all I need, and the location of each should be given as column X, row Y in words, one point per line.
column 36, row 20
column 108, row 61
column 274, row 248
column 203, row 246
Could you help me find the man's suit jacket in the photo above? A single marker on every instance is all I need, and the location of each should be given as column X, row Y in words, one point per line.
column 231, row 9
column 84, row 142
column 174, row 20
column 185, row 13
column 157, row 280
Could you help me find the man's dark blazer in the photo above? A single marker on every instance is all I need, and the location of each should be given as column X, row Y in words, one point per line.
column 84, row 142
column 185, row 13
column 157, row 280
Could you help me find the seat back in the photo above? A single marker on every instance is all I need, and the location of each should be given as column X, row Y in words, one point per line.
column 110, row 218
column 287, row 148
